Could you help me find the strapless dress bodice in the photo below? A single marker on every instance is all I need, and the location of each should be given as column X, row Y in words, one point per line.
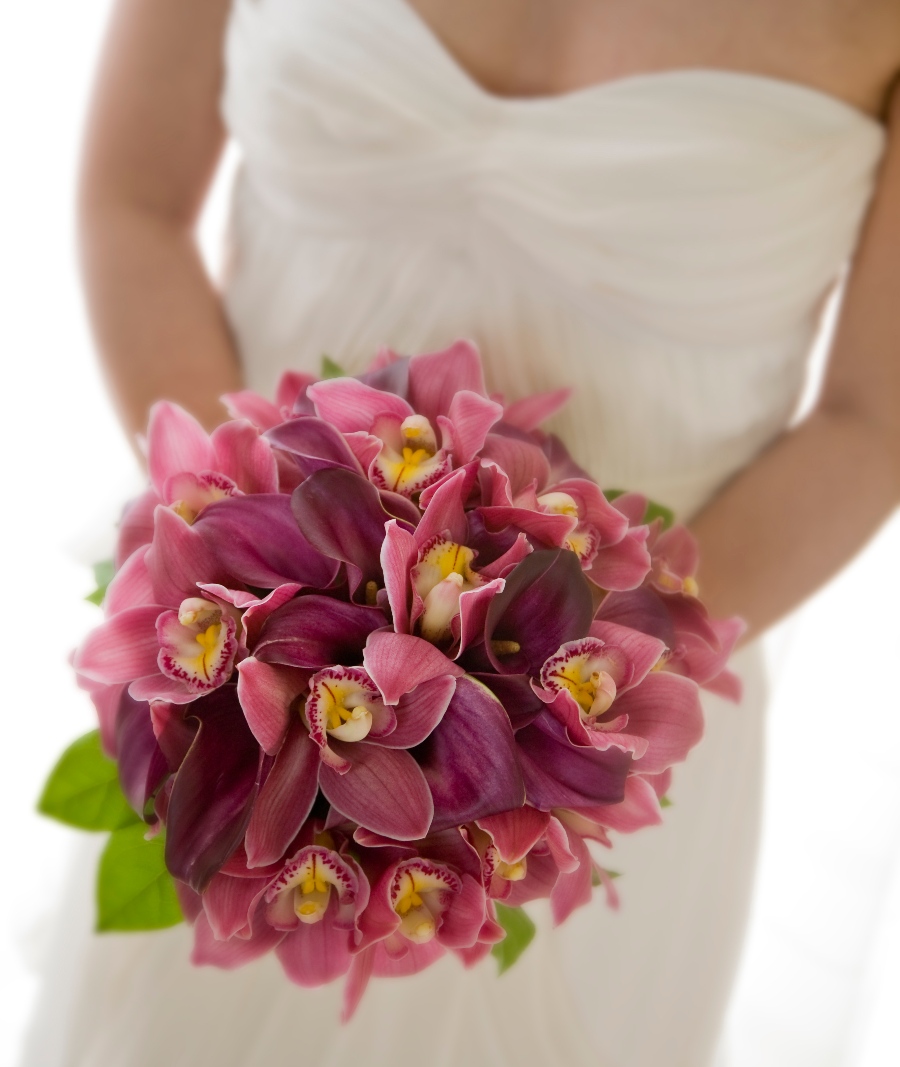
column 662, row 243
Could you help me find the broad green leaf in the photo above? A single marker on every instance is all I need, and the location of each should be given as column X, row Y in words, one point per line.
column 103, row 574
column 659, row 511
column 134, row 889
column 83, row 789
column 611, row 494
column 519, row 934
column 331, row 369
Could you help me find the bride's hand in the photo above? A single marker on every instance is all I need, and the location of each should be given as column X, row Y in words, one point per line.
column 154, row 138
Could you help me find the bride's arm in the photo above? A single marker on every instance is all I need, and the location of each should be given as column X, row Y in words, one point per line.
column 798, row 513
column 153, row 141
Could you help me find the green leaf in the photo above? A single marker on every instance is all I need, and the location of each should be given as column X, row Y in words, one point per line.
column 83, row 789
column 331, row 369
column 596, row 880
column 664, row 802
column 519, row 934
column 611, row 494
column 103, row 573
column 659, row 511
column 134, row 889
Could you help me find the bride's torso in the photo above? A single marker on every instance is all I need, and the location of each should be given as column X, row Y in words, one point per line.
column 662, row 242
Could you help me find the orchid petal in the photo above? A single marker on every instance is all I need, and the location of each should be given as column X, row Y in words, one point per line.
column 546, row 528
column 291, row 387
column 388, row 371
column 315, row 954
column 245, row 457
column 351, row 405
column 397, row 663
column 157, row 686
column 623, row 565
column 473, row 609
column 515, row 832
column 229, row 904
column 504, row 563
column 419, row 712
column 665, row 709
column 248, row 405
column 258, row 611
column 639, row 609
column 467, row 424
column 122, row 648
column 445, row 509
column 285, row 799
column 384, row 790
column 357, row 980
column 131, row 586
column 236, row 951
column 179, row 557
column 638, row 808
column 136, row 525
column 435, row 378
column 176, row 442
column 464, row 918
column 594, row 508
column 561, row 463
column 527, row 414
column 573, row 889
column 642, row 650
column 521, row 459
column 266, row 694
column 398, row 557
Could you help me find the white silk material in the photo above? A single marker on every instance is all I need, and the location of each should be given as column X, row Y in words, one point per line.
column 663, row 244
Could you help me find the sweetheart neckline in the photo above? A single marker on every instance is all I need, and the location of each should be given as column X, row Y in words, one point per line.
column 421, row 26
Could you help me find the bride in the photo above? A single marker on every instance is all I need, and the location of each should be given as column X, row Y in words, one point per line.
column 647, row 201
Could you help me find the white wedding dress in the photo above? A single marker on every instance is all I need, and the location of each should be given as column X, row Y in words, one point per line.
column 663, row 243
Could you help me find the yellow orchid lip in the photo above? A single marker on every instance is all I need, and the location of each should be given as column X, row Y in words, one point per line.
column 419, row 893
column 586, row 669
column 443, row 573
column 409, row 459
column 197, row 644
column 343, row 703
column 305, row 887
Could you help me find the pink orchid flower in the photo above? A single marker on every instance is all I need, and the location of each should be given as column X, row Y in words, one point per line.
column 432, row 583
column 446, row 396
column 572, row 513
column 602, row 690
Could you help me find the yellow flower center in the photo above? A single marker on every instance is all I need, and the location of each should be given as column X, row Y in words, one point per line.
column 594, row 693
column 312, row 894
column 208, row 640
column 417, row 923
column 347, row 715
column 512, row 872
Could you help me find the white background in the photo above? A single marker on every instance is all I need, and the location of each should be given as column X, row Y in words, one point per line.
column 821, row 979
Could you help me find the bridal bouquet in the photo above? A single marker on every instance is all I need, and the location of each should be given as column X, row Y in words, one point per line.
column 380, row 664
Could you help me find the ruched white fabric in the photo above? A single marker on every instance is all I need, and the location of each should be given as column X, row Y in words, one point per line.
column 664, row 244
